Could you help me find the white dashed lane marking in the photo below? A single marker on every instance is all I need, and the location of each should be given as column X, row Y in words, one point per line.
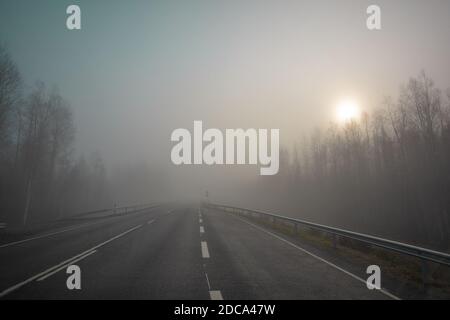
column 215, row 295
column 205, row 252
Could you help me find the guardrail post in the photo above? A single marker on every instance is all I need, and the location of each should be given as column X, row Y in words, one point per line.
column 296, row 230
column 334, row 241
column 426, row 274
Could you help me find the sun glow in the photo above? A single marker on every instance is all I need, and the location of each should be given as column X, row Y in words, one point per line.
column 347, row 111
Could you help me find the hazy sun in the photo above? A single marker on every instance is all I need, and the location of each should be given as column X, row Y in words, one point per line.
column 347, row 110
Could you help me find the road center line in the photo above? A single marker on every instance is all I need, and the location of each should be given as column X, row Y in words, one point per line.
column 205, row 252
column 200, row 220
column 150, row 221
column 202, row 229
column 317, row 257
column 41, row 274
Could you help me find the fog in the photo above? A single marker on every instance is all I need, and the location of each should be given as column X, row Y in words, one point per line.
column 138, row 70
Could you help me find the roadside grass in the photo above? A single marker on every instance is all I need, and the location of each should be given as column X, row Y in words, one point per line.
column 407, row 269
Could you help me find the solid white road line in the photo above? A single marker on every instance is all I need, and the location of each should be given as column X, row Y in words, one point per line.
column 66, row 265
column 205, row 252
column 202, row 230
column 215, row 295
column 41, row 274
column 317, row 257
column 150, row 221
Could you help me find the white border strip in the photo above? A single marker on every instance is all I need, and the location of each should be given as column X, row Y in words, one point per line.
column 42, row 274
column 390, row 295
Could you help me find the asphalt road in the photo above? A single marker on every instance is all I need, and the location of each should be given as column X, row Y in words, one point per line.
column 172, row 253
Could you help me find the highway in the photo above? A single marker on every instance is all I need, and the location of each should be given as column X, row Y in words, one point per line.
column 172, row 252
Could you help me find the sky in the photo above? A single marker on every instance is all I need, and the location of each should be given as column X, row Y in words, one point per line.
column 137, row 70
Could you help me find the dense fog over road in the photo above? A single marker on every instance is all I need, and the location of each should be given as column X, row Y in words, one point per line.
column 363, row 115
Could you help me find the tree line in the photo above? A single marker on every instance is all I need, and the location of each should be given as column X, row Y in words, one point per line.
column 41, row 178
column 387, row 173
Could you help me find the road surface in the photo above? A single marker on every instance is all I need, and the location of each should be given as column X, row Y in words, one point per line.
column 172, row 252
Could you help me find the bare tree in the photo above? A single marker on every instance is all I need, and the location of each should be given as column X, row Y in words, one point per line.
column 9, row 90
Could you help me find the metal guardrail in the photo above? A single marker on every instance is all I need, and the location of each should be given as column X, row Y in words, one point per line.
column 403, row 248
column 116, row 210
